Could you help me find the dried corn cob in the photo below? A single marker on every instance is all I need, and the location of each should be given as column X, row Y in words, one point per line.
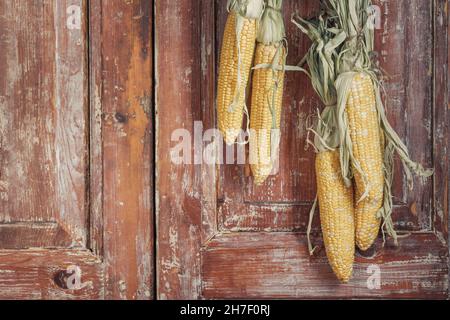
column 235, row 64
column 336, row 214
column 365, row 130
column 267, row 92
column 360, row 116
column 335, row 197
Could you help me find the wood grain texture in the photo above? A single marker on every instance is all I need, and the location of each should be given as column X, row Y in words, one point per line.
column 442, row 121
column 123, row 88
column 178, row 105
column 249, row 242
column 44, row 151
column 43, row 141
column 71, row 103
column 30, row 274
column 95, row 129
column 46, row 185
column 443, row 9
column 33, row 235
column 277, row 265
column 209, row 171
column 405, row 52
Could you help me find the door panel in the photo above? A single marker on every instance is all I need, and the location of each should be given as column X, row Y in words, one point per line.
column 75, row 149
column 44, row 151
column 407, row 56
column 278, row 265
column 220, row 237
column 42, row 274
column 43, row 133
column 283, row 202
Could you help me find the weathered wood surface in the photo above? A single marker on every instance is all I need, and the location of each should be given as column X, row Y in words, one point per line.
column 43, row 109
column 121, row 112
column 405, row 52
column 44, row 150
column 33, row 235
column 224, row 238
column 62, row 190
column 441, row 123
column 32, row 274
column 178, row 69
column 277, row 265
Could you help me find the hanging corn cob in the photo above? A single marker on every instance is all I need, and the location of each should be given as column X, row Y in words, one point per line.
column 267, row 92
column 336, row 214
column 235, row 64
column 364, row 129
column 335, row 198
column 360, row 119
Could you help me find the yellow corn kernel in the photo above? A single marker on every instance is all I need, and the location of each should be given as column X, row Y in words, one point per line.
column 367, row 149
column 336, row 214
column 266, row 105
column 231, row 89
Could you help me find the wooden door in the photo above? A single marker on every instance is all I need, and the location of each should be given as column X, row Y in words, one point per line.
column 75, row 149
column 220, row 237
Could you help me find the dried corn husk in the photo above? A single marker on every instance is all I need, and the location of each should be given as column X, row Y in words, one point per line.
column 267, row 92
column 350, row 57
column 334, row 197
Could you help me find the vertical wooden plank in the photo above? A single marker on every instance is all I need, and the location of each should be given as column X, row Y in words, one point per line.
column 404, row 50
column 209, row 171
column 447, row 203
column 125, row 90
column 71, row 101
column 178, row 203
column 95, row 126
column 441, row 120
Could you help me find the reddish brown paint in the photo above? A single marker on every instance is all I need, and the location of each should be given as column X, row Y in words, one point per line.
column 252, row 243
column 277, row 265
column 217, row 236
column 121, row 105
column 76, row 160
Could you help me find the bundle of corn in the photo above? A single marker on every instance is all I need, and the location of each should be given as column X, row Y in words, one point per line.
column 335, row 197
column 267, row 92
column 236, row 59
column 368, row 142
